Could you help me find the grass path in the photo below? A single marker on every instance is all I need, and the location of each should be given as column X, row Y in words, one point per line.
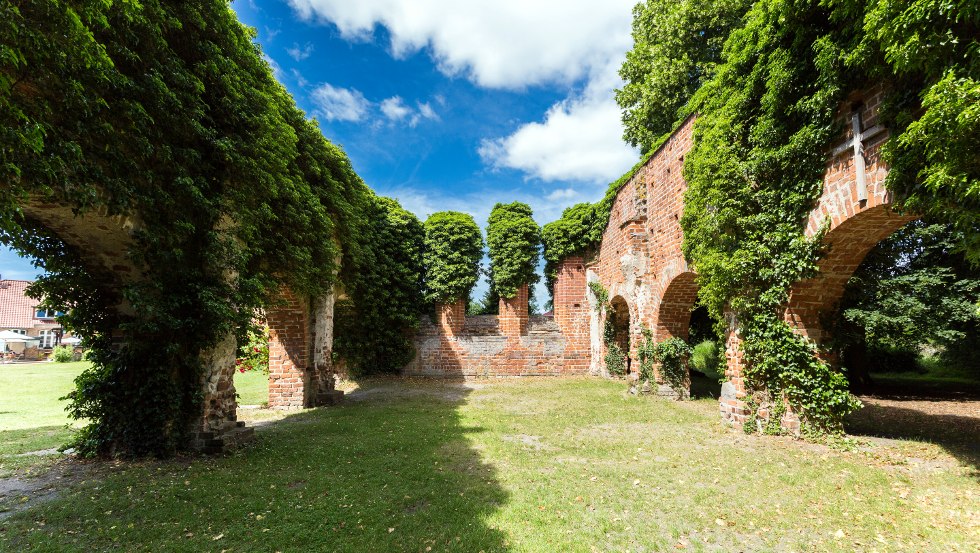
column 532, row 465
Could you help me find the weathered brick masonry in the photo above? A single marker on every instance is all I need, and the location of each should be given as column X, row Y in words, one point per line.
column 511, row 344
column 640, row 262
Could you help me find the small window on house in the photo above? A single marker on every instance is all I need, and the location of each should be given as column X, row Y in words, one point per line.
column 47, row 314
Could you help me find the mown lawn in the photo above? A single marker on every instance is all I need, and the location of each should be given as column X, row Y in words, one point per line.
column 534, row 465
column 252, row 387
column 32, row 417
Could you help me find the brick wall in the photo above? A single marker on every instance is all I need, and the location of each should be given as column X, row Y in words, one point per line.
column 290, row 347
column 512, row 344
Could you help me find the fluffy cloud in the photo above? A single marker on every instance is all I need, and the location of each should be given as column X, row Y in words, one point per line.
column 300, row 54
column 500, row 43
column 395, row 109
column 514, row 44
column 339, row 104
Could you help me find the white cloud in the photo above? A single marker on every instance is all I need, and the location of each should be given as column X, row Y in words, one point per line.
column 339, row 104
column 500, row 43
column 395, row 109
column 514, row 44
column 300, row 54
column 562, row 194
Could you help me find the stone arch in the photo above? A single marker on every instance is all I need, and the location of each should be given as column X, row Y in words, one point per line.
column 621, row 320
column 673, row 319
column 847, row 243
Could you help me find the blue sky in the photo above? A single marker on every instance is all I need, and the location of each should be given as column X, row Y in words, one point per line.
column 454, row 105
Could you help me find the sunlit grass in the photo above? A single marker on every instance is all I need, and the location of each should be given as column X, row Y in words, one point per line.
column 530, row 465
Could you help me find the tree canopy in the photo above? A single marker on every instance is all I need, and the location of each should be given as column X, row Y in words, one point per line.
column 514, row 241
column 453, row 250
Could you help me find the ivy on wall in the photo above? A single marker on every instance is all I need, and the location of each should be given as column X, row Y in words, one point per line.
column 453, row 250
column 374, row 317
column 513, row 240
column 166, row 111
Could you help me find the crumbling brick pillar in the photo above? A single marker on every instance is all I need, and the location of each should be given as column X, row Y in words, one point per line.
column 572, row 312
column 290, row 346
column 218, row 428
column 513, row 314
column 733, row 393
column 450, row 317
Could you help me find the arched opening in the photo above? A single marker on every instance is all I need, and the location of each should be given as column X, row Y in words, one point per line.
column 895, row 307
column 679, row 316
column 617, row 337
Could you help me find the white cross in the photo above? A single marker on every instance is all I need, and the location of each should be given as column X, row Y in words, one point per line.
column 857, row 145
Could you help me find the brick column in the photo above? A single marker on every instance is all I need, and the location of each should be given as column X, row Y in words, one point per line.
column 571, row 307
column 289, row 353
column 732, row 400
column 450, row 317
column 513, row 314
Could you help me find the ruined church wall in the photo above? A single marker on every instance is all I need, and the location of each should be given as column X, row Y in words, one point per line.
column 513, row 344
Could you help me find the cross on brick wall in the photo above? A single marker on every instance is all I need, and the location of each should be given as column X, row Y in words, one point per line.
column 856, row 145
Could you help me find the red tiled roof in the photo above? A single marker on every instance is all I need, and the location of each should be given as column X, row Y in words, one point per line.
column 16, row 309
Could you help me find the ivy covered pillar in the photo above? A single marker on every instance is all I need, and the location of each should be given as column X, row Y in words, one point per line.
column 732, row 400
column 513, row 315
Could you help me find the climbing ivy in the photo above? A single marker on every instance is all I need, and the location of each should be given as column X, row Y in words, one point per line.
column 373, row 320
column 453, row 249
column 672, row 354
column 513, row 240
column 165, row 112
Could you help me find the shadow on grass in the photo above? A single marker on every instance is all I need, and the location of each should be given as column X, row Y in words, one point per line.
column 956, row 434
column 382, row 472
column 26, row 440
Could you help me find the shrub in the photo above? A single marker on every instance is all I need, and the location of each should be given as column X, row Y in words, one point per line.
column 63, row 354
column 706, row 358
column 672, row 354
column 615, row 360
column 253, row 355
column 453, row 249
column 514, row 242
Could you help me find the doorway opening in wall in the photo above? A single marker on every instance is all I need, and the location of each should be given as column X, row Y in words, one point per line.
column 252, row 367
column 906, row 332
column 707, row 362
column 617, row 338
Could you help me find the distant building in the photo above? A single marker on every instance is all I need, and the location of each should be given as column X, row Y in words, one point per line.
column 21, row 314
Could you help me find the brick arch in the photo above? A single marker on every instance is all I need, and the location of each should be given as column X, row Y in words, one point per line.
column 673, row 317
column 622, row 317
column 847, row 243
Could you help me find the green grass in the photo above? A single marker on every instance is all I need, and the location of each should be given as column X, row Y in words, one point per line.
column 935, row 377
column 252, row 387
column 531, row 465
column 32, row 418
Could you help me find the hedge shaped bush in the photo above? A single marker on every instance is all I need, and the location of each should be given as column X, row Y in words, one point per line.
column 514, row 240
column 453, row 249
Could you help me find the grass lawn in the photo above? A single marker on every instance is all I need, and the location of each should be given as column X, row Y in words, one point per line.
column 530, row 465
column 252, row 387
column 32, row 418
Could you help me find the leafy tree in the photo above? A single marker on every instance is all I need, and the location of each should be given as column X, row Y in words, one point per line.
column 374, row 320
column 677, row 45
column 453, row 250
column 514, row 241
column 913, row 290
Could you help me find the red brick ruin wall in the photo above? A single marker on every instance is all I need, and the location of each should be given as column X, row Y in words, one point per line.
column 511, row 344
column 639, row 258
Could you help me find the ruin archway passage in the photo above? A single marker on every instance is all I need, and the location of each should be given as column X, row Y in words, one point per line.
column 618, row 331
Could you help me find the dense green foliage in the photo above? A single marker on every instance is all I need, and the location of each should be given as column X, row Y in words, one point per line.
column 766, row 118
column 167, row 113
column 913, row 291
column 63, row 354
column 677, row 45
column 673, row 354
column 707, row 359
column 453, row 250
column 373, row 323
column 615, row 359
column 253, row 350
column 514, row 241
